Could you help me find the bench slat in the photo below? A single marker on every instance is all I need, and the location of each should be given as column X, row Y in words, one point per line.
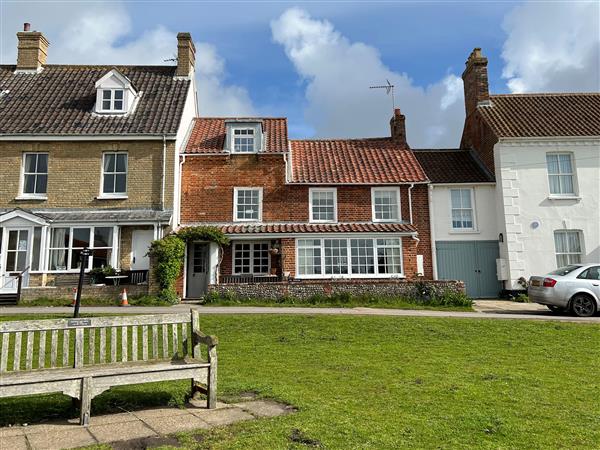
column 66, row 346
column 17, row 353
column 29, row 351
column 53, row 347
column 102, row 345
column 4, row 354
column 123, row 343
column 134, row 343
column 145, row 342
column 113, row 344
column 154, row 341
column 184, row 338
column 42, row 355
column 175, row 340
column 165, row 340
column 92, row 346
column 79, row 347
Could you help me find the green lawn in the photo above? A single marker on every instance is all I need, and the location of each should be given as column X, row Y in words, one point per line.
column 389, row 382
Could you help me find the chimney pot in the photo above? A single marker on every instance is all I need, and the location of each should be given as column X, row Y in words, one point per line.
column 26, row 26
column 398, row 128
column 186, row 55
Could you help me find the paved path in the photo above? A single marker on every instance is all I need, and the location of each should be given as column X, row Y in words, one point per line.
column 484, row 309
column 136, row 429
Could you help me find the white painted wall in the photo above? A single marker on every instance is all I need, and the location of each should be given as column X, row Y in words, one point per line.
column 484, row 211
column 522, row 193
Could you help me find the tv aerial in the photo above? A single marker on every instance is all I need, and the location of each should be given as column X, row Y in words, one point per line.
column 389, row 88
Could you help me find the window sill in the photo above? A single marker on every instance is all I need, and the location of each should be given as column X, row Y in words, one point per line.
column 564, row 197
column 389, row 221
column 464, row 232
column 32, row 197
column 351, row 277
column 112, row 197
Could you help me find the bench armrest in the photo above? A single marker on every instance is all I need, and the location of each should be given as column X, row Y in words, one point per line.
column 201, row 338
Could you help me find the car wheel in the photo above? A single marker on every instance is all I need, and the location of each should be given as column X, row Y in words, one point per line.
column 583, row 306
column 556, row 309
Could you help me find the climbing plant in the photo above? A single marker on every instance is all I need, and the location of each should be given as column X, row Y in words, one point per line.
column 169, row 254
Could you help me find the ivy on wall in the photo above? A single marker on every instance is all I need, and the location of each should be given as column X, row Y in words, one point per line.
column 169, row 254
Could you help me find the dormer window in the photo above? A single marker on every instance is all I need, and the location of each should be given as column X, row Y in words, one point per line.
column 244, row 136
column 115, row 94
column 243, row 140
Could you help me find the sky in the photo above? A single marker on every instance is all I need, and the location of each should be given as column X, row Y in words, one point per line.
column 313, row 62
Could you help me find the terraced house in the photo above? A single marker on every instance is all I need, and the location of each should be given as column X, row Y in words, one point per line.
column 351, row 209
column 88, row 158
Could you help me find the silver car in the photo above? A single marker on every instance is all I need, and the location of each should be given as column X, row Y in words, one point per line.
column 574, row 288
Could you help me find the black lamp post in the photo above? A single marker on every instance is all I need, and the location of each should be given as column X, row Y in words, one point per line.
column 83, row 258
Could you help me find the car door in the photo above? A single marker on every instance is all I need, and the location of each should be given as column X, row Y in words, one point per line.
column 590, row 278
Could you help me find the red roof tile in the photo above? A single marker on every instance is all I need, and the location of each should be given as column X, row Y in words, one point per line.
column 288, row 228
column 539, row 115
column 208, row 134
column 452, row 166
column 366, row 161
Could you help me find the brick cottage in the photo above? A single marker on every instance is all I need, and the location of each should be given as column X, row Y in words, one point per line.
column 302, row 209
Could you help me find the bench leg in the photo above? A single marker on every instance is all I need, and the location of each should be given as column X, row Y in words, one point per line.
column 86, row 401
column 212, row 379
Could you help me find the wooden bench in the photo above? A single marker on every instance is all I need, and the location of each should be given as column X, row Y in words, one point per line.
column 84, row 357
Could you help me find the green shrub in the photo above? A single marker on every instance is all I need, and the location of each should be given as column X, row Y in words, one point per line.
column 521, row 298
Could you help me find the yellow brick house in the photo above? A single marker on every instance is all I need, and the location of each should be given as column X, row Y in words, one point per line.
column 88, row 158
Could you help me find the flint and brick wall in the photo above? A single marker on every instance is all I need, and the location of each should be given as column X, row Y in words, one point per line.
column 306, row 289
column 66, row 292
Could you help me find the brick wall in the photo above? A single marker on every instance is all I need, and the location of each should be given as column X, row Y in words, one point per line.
column 74, row 171
column 306, row 289
column 66, row 292
column 477, row 135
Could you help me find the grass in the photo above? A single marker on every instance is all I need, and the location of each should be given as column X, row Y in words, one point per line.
column 383, row 382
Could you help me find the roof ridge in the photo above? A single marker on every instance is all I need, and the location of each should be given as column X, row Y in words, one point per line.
column 438, row 150
column 546, row 94
column 100, row 66
column 340, row 139
column 237, row 118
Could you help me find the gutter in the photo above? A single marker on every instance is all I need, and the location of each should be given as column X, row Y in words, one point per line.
column 85, row 137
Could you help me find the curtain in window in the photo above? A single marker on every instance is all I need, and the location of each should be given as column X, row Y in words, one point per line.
column 59, row 244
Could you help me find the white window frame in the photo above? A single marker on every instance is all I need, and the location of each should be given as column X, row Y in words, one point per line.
column 473, row 210
column 581, row 252
column 112, row 100
column 254, row 137
column 235, row 203
column 350, row 273
column 22, row 193
column 384, row 189
column 572, row 174
column 311, row 192
column 114, row 195
column 252, row 272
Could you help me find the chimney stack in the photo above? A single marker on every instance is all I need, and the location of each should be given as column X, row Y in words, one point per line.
column 32, row 49
column 186, row 55
column 398, row 127
column 475, row 81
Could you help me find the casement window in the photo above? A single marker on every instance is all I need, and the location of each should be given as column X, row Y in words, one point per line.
column 114, row 174
column 251, row 258
column 66, row 244
column 462, row 209
column 16, row 250
column 323, row 205
column 247, row 204
column 354, row 257
column 561, row 175
column 568, row 247
column 113, row 100
column 35, row 174
column 386, row 204
column 243, row 140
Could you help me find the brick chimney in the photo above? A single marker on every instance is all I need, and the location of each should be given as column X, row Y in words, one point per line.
column 398, row 127
column 186, row 55
column 32, row 49
column 475, row 81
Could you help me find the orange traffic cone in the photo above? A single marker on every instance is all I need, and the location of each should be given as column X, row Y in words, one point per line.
column 124, row 298
column 74, row 297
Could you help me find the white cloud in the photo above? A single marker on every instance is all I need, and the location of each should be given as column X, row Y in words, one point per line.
column 94, row 34
column 553, row 46
column 338, row 75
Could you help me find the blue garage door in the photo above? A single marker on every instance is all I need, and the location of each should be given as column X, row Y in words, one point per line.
column 473, row 262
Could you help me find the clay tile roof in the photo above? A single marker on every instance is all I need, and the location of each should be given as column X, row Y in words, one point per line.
column 287, row 228
column 368, row 161
column 60, row 99
column 452, row 166
column 538, row 115
column 208, row 134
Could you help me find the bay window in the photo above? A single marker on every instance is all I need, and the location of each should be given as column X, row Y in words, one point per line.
column 354, row 257
column 66, row 244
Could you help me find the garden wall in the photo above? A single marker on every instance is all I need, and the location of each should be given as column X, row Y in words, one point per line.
column 307, row 289
column 66, row 292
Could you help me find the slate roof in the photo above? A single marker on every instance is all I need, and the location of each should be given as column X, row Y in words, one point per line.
column 208, row 134
column 539, row 115
column 98, row 215
column 288, row 228
column 366, row 161
column 452, row 166
column 59, row 101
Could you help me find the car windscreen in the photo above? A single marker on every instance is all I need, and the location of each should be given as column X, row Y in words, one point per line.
column 564, row 270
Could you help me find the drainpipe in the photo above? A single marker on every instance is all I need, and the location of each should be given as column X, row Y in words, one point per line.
column 164, row 163
column 178, row 218
column 410, row 215
column 432, row 231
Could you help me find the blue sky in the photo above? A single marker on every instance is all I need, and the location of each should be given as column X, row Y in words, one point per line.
column 313, row 61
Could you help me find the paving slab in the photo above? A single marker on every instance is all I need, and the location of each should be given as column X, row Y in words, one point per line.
column 220, row 417
column 13, row 443
column 108, row 419
column 74, row 436
column 159, row 412
column 11, row 431
column 51, row 427
column 201, row 404
column 120, row 431
column 265, row 408
column 176, row 424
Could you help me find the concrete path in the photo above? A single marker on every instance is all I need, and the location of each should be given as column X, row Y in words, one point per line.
column 139, row 429
column 484, row 309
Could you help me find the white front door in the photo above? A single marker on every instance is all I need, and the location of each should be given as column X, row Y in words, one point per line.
column 140, row 243
column 14, row 258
